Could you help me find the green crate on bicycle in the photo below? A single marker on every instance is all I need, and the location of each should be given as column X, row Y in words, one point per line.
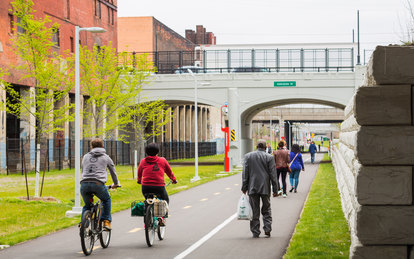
column 137, row 209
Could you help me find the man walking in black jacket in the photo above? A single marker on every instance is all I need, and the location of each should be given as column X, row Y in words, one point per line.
column 258, row 172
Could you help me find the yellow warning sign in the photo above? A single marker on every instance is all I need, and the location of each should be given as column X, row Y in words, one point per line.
column 233, row 135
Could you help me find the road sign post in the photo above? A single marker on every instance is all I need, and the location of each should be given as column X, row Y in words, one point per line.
column 226, row 141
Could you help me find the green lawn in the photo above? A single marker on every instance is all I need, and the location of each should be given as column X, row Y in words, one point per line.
column 23, row 220
column 322, row 231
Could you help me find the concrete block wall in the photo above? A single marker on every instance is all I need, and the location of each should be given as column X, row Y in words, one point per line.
column 374, row 158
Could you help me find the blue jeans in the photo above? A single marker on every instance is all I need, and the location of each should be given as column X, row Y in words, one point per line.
column 88, row 189
column 294, row 178
column 312, row 158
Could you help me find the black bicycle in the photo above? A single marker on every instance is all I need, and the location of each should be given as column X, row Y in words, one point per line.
column 154, row 218
column 91, row 228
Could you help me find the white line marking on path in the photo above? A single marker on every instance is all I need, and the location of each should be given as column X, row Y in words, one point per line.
column 228, row 188
column 187, row 207
column 217, row 193
column 236, row 184
column 134, row 230
column 205, row 238
column 204, row 199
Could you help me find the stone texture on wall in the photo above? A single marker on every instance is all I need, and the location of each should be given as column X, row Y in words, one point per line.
column 374, row 158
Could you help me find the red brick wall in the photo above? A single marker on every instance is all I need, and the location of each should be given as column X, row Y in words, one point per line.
column 68, row 13
column 147, row 34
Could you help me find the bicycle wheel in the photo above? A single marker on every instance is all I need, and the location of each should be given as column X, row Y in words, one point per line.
column 161, row 230
column 149, row 225
column 86, row 234
column 104, row 235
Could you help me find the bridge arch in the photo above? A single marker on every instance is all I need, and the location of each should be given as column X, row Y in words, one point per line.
column 253, row 108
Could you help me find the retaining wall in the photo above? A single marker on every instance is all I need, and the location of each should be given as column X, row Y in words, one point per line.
column 374, row 158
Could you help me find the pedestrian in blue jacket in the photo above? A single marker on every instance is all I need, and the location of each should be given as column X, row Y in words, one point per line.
column 296, row 165
column 312, row 151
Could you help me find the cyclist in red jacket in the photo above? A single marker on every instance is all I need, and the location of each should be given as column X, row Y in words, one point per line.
column 151, row 173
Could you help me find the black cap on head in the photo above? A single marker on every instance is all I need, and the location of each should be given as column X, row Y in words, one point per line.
column 152, row 149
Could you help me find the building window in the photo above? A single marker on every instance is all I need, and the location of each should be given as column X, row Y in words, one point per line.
column 20, row 29
column 72, row 45
column 98, row 8
column 55, row 37
column 11, row 22
column 113, row 17
column 68, row 9
column 109, row 15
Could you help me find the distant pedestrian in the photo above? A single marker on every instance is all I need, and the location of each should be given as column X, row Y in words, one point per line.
column 269, row 149
column 312, row 151
column 282, row 160
column 296, row 165
column 258, row 173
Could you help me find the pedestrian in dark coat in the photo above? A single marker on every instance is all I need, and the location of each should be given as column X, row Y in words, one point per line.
column 259, row 172
column 312, row 151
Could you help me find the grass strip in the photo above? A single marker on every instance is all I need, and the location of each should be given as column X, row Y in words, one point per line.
column 322, row 231
column 22, row 220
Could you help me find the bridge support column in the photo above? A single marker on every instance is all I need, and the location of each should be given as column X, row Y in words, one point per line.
column 168, row 127
column 182, row 124
column 234, row 124
column 188, row 116
column 204, row 125
column 176, row 124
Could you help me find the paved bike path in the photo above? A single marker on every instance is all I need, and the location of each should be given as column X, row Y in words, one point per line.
column 195, row 213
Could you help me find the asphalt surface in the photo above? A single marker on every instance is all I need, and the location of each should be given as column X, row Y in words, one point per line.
column 202, row 224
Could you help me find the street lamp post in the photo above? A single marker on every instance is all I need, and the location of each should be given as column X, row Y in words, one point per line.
column 77, row 209
column 196, row 177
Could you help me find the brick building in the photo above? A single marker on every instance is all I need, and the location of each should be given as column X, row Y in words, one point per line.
column 67, row 13
column 147, row 34
column 200, row 36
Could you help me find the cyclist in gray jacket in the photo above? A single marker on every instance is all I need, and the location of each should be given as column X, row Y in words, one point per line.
column 258, row 172
column 94, row 177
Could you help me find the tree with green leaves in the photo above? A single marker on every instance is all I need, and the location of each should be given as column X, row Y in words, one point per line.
column 145, row 121
column 110, row 82
column 46, row 73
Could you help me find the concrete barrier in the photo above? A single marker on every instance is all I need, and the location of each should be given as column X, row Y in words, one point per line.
column 374, row 158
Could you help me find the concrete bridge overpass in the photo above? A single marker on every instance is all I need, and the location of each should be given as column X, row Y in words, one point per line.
column 249, row 93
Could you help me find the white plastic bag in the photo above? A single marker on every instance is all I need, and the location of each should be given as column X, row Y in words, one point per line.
column 244, row 210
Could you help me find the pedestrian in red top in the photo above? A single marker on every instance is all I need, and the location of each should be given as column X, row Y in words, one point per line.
column 151, row 173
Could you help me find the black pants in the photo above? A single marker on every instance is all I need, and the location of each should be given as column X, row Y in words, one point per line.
column 282, row 171
column 157, row 190
column 254, row 200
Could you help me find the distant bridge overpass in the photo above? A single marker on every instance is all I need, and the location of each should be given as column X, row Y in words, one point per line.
column 251, row 92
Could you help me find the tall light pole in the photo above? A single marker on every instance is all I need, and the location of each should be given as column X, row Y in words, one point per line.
column 196, row 177
column 77, row 209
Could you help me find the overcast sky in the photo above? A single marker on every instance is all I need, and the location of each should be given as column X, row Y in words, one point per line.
column 280, row 21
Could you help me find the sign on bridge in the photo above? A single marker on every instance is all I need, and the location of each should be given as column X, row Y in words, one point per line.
column 285, row 83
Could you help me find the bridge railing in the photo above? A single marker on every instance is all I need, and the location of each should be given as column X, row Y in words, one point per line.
column 253, row 60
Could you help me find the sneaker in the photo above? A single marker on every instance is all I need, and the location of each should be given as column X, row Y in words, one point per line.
column 284, row 195
column 279, row 192
column 291, row 189
column 255, row 236
column 296, row 191
column 107, row 225
column 161, row 222
column 267, row 234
